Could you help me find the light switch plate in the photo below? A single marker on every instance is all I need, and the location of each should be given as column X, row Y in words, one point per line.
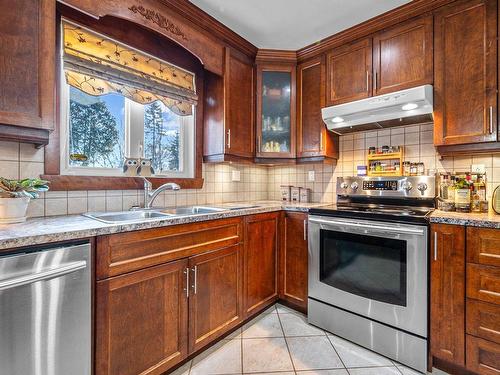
column 311, row 176
column 236, row 176
column 478, row 168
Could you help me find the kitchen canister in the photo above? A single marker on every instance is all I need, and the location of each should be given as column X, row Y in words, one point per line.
column 285, row 192
column 305, row 195
column 295, row 194
column 496, row 200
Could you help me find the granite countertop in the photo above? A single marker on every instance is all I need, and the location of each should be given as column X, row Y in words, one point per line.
column 484, row 220
column 72, row 227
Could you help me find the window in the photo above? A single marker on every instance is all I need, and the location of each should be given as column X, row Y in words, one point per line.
column 118, row 103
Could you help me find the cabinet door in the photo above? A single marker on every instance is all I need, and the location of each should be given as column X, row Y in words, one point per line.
column 483, row 357
column 465, row 98
column 260, row 261
column 313, row 139
column 27, row 66
column 215, row 301
column 239, row 104
column 349, row 70
column 141, row 321
column 276, row 133
column 448, row 293
column 402, row 56
column 293, row 269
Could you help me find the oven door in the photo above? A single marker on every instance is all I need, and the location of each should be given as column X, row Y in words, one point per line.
column 374, row 269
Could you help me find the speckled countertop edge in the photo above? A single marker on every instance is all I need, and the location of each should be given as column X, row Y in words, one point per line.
column 483, row 220
column 45, row 230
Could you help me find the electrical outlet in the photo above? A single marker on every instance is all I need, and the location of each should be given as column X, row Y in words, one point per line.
column 478, row 168
column 236, row 176
column 311, row 176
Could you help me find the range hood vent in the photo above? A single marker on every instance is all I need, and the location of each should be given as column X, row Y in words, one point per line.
column 406, row 107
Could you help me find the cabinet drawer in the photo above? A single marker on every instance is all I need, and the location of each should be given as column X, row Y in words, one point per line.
column 483, row 283
column 483, row 357
column 126, row 252
column 483, row 320
column 483, row 246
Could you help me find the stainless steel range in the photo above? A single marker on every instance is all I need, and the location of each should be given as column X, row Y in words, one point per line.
column 368, row 265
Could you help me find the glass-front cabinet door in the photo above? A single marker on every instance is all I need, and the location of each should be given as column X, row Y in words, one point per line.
column 276, row 111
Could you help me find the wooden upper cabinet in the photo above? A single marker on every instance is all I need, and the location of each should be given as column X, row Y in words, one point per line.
column 215, row 301
column 141, row 321
column 465, row 83
column 349, row 72
column 313, row 138
column 276, row 111
column 403, row 56
column 239, row 103
column 27, row 66
column 229, row 126
column 447, row 300
column 260, row 261
column 293, row 260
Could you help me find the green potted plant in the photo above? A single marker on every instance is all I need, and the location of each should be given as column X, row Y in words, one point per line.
column 15, row 196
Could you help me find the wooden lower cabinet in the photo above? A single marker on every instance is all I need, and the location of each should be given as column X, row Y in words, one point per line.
column 483, row 357
column 260, row 261
column 215, row 300
column 141, row 321
column 293, row 259
column 447, row 300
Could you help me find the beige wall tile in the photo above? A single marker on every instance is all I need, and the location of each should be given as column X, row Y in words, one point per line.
column 9, row 151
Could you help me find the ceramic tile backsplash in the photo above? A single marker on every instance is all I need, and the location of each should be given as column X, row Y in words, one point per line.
column 23, row 160
column 256, row 182
column 418, row 146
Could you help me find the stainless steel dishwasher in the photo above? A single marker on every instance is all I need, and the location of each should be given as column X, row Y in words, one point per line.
column 45, row 311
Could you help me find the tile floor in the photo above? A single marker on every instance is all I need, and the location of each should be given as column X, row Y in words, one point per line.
column 280, row 342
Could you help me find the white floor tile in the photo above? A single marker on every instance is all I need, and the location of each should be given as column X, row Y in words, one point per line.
column 269, row 354
column 222, row 358
column 407, row 371
column 338, row 371
column 374, row 371
column 183, row 370
column 266, row 325
column 286, row 310
column 355, row 356
column 296, row 325
column 313, row 353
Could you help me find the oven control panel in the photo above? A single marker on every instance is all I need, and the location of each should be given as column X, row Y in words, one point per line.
column 404, row 186
column 380, row 185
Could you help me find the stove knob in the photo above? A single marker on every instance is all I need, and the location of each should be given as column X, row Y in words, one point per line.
column 422, row 187
column 354, row 186
column 344, row 185
column 406, row 185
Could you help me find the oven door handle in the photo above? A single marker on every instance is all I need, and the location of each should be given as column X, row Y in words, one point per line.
column 370, row 227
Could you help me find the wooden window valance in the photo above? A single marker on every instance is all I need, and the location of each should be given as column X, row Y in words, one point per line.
column 98, row 65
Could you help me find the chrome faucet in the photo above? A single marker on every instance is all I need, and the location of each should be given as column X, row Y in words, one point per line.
column 150, row 194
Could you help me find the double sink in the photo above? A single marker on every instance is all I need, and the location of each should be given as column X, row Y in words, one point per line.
column 138, row 215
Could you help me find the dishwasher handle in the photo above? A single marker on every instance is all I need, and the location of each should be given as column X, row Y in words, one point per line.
column 41, row 276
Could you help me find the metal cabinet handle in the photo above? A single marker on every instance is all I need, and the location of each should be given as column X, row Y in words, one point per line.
column 195, row 280
column 259, row 143
column 186, row 272
column 42, row 276
column 375, row 83
column 491, row 118
column 321, row 139
column 305, row 230
column 435, row 246
column 367, row 81
column 228, row 138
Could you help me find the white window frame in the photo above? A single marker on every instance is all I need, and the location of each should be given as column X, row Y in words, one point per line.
column 134, row 140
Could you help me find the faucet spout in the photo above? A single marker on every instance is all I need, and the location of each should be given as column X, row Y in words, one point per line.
column 150, row 195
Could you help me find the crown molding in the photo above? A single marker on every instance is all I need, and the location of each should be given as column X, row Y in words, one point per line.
column 276, row 56
column 205, row 21
column 382, row 21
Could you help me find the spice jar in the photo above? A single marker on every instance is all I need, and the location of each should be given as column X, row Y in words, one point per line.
column 420, row 169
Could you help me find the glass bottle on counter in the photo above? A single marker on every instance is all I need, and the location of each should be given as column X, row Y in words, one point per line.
column 462, row 195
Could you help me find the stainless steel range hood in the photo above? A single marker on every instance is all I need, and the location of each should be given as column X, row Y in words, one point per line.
column 411, row 106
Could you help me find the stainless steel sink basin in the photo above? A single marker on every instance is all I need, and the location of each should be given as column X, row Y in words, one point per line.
column 126, row 216
column 232, row 208
column 191, row 210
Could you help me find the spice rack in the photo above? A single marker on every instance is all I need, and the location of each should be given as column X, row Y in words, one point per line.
column 395, row 157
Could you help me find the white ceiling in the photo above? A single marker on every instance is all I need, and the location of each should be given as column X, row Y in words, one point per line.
column 292, row 24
